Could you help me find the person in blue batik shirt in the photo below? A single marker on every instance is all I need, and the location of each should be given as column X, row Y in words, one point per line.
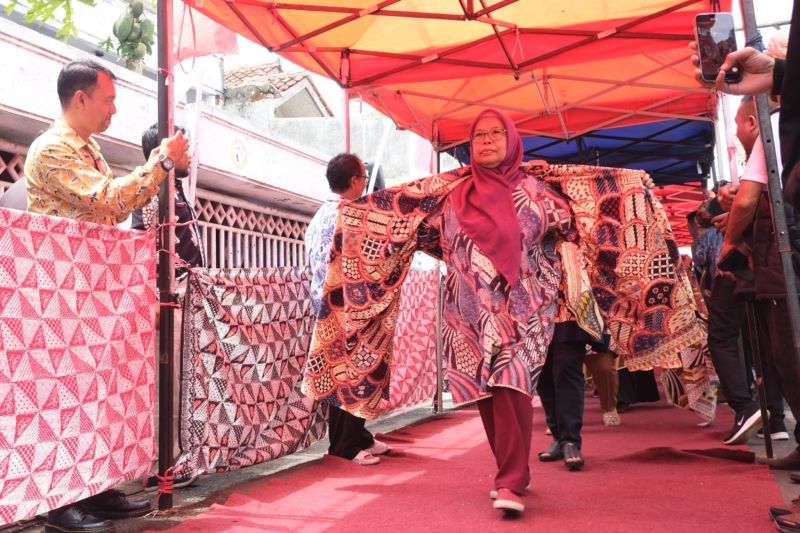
column 347, row 179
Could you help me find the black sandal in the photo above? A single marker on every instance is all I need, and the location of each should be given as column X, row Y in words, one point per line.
column 553, row 453
column 573, row 457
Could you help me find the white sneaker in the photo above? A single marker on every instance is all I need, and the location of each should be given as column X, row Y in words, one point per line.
column 364, row 458
column 378, row 448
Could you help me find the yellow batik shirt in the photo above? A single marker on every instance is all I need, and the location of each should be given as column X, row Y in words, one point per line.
column 68, row 177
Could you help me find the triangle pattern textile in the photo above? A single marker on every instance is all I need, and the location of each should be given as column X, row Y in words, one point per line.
column 246, row 337
column 68, row 366
column 413, row 368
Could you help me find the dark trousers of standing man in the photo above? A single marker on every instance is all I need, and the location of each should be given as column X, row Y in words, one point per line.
column 560, row 388
column 782, row 355
column 726, row 316
column 347, row 434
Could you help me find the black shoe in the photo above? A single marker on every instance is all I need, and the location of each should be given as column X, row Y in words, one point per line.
column 746, row 424
column 776, row 510
column 781, row 510
column 777, row 431
column 788, row 522
column 73, row 519
column 114, row 504
column 788, row 462
column 179, row 480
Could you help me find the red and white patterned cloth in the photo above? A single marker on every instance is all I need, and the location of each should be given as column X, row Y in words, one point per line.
column 414, row 351
column 245, row 343
column 76, row 364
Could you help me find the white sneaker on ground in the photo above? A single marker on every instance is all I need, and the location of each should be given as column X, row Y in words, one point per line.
column 364, row 458
column 378, row 448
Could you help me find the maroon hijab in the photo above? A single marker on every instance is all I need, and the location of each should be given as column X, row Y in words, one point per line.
column 484, row 206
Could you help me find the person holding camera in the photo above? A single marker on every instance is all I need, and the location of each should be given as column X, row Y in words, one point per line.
column 727, row 303
column 762, row 73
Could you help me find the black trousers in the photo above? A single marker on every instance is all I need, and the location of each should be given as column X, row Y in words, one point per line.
column 346, row 433
column 782, row 356
column 726, row 320
column 560, row 388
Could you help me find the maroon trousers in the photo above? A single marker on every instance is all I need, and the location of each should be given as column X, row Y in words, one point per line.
column 508, row 420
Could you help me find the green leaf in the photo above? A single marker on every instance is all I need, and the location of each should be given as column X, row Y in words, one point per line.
column 11, row 6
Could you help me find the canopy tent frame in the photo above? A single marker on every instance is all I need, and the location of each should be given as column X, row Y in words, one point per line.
column 551, row 107
column 321, row 41
column 775, row 190
column 380, row 9
column 166, row 258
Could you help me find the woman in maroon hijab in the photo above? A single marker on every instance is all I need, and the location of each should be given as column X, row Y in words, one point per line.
column 496, row 228
column 498, row 234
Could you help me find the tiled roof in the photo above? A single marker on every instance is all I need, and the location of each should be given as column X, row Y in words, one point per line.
column 272, row 75
column 286, row 80
column 255, row 75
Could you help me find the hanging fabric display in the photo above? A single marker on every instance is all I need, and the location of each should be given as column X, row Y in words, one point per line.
column 76, row 365
column 246, row 339
column 413, row 364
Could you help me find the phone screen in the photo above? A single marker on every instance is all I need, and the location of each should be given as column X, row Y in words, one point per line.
column 715, row 40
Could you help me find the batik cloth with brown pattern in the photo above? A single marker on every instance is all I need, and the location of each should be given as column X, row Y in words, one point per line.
column 635, row 275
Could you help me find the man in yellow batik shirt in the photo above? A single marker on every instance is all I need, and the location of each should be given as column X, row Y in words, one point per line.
column 68, row 177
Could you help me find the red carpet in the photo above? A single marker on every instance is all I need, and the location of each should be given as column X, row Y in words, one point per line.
column 657, row 472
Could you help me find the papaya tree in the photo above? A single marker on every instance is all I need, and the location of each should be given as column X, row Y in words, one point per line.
column 135, row 35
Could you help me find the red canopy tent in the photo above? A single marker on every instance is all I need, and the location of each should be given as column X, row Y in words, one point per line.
column 559, row 69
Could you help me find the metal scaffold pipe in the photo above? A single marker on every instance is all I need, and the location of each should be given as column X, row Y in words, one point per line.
column 166, row 262
column 775, row 189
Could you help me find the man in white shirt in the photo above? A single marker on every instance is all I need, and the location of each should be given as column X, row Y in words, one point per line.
column 347, row 179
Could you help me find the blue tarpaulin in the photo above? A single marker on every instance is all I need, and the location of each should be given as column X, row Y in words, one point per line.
column 672, row 152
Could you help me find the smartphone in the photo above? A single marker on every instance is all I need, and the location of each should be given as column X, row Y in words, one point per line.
column 715, row 40
column 713, row 208
column 736, row 263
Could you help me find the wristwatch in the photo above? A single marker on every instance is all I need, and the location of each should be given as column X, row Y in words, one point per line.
column 166, row 163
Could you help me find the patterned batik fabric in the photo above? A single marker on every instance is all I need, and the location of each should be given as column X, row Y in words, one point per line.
column 496, row 335
column 638, row 279
column 76, row 365
column 246, row 339
column 413, row 366
column 695, row 385
column 68, row 177
column 376, row 235
column 319, row 241
column 639, row 284
column 576, row 301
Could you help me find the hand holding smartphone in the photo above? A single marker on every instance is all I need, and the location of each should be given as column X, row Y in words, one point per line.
column 715, row 40
column 737, row 264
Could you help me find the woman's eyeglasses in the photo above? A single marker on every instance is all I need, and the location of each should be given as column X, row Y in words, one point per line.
column 494, row 135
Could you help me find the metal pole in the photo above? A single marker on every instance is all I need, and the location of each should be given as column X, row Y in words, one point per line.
column 729, row 143
column 720, row 157
column 438, row 405
column 776, row 196
column 166, row 263
column 347, row 121
column 755, row 351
